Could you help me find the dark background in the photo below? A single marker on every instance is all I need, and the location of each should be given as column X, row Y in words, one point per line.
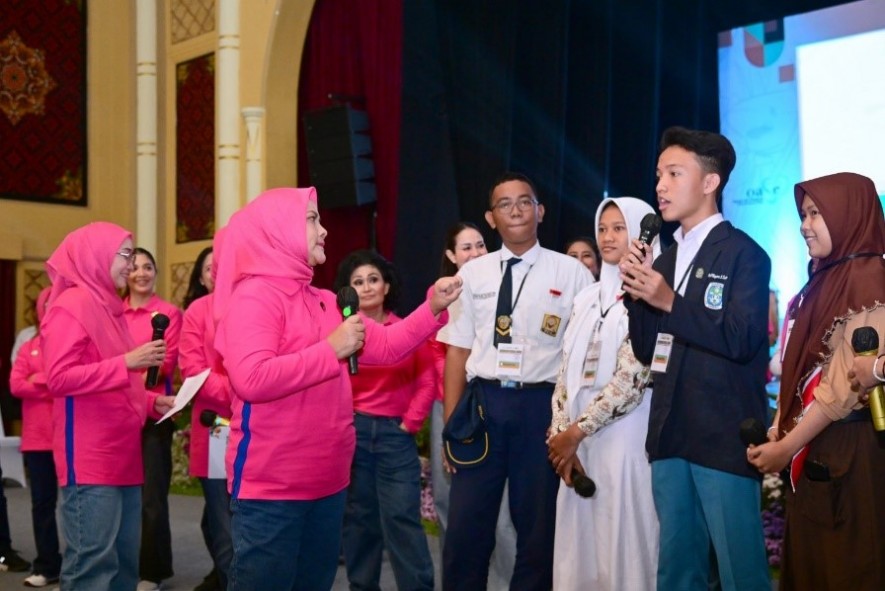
column 575, row 94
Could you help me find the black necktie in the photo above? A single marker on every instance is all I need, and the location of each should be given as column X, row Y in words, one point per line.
column 504, row 311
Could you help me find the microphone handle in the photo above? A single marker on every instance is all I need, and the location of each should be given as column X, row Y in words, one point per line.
column 877, row 397
column 153, row 373
column 352, row 364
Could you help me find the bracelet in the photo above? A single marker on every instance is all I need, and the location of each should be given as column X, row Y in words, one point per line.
column 772, row 428
column 879, row 376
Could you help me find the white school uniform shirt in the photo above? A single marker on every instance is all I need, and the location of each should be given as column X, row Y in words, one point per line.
column 689, row 245
column 550, row 281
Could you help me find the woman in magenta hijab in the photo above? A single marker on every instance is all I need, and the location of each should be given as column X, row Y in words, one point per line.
column 285, row 349
column 99, row 407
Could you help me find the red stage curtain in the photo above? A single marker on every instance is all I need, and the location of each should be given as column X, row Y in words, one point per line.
column 355, row 48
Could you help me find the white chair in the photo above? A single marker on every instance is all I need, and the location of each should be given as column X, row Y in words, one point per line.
column 11, row 459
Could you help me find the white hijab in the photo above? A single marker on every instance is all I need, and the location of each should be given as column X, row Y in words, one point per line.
column 588, row 308
column 633, row 210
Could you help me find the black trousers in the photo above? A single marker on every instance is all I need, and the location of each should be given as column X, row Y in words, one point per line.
column 155, row 560
column 517, row 425
column 44, row 498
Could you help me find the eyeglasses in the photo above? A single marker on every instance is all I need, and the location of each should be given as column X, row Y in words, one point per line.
column 523, row 204
column 127, row 254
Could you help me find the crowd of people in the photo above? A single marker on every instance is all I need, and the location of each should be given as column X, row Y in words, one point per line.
column 608, row 384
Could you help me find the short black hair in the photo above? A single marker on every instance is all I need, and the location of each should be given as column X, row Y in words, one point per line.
column 357, row 259
column 713, row 150
column 513, row 176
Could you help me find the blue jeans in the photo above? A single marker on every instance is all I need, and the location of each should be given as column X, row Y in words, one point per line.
column 216, row 526
column 44, row 497
column 384, row 508
column 441, row 479
column 101, row 527
column 698, row 506
column 286, row 545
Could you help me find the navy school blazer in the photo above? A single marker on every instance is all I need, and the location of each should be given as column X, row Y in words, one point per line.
column 717, row 369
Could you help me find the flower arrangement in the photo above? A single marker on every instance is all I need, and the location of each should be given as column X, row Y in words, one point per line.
column 773, row 517
column 428, row 512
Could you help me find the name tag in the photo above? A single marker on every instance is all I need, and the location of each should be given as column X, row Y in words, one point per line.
column 790, row 324
column 217, row 448
column 591, row 363
column 509, row 361
column 663, row 348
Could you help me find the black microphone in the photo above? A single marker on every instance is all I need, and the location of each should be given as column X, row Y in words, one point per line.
column 583, row 484
column 349, row 303
column 865, row 342
column 753, row 432
column 207, row 418
column 160, row 322
column 649, row 227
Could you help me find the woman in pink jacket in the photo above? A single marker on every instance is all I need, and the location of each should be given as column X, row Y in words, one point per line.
column 28, row 382
column 285, row 348
column 140, row 306
column 390, row 405
column 196, row 354
column 100, row 404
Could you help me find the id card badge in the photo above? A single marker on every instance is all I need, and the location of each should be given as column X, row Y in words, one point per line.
column 591, row 364
column 790, row 324
column 217, row 448
column 663, row 348
column 509, row 362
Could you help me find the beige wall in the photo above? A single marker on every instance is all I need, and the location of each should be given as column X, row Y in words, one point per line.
column 272, row 34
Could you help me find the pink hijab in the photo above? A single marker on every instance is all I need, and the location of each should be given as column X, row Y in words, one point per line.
column 267, row 238
column 80, row 272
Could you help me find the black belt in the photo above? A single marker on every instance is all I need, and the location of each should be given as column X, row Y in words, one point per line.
column 857, row 416
column 510, row 384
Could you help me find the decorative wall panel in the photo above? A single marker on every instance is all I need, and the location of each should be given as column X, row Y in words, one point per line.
column 191, row 18
column 43, row 101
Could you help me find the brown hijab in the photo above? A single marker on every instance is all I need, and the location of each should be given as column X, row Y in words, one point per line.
column 840, row 288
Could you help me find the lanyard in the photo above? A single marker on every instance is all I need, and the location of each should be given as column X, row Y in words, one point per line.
column 687, row 271
column 521, row 285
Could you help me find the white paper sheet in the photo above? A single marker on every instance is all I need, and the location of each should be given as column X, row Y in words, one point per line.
column 186, row 393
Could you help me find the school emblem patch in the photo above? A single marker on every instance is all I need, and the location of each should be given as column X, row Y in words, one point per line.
column 713, row 295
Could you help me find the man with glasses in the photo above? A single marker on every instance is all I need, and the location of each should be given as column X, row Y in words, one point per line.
column 505, row 337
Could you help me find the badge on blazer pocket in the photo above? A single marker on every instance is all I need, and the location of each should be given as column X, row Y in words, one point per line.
column 713, row 295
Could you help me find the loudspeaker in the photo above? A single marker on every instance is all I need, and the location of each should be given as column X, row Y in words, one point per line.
column 339, row 156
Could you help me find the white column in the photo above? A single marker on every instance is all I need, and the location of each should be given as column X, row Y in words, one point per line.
column 227, row 109
column 146, row 123
column 253, row 117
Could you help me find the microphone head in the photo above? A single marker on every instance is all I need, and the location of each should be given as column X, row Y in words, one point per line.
column 753, row 432
column 649, row 227
column 348, row 301
column 865, row 339
column 160, row 321
column 583, row 485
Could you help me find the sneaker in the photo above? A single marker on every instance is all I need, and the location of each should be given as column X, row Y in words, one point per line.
column 37, row 580
column 148, row 586
column 11, row 561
